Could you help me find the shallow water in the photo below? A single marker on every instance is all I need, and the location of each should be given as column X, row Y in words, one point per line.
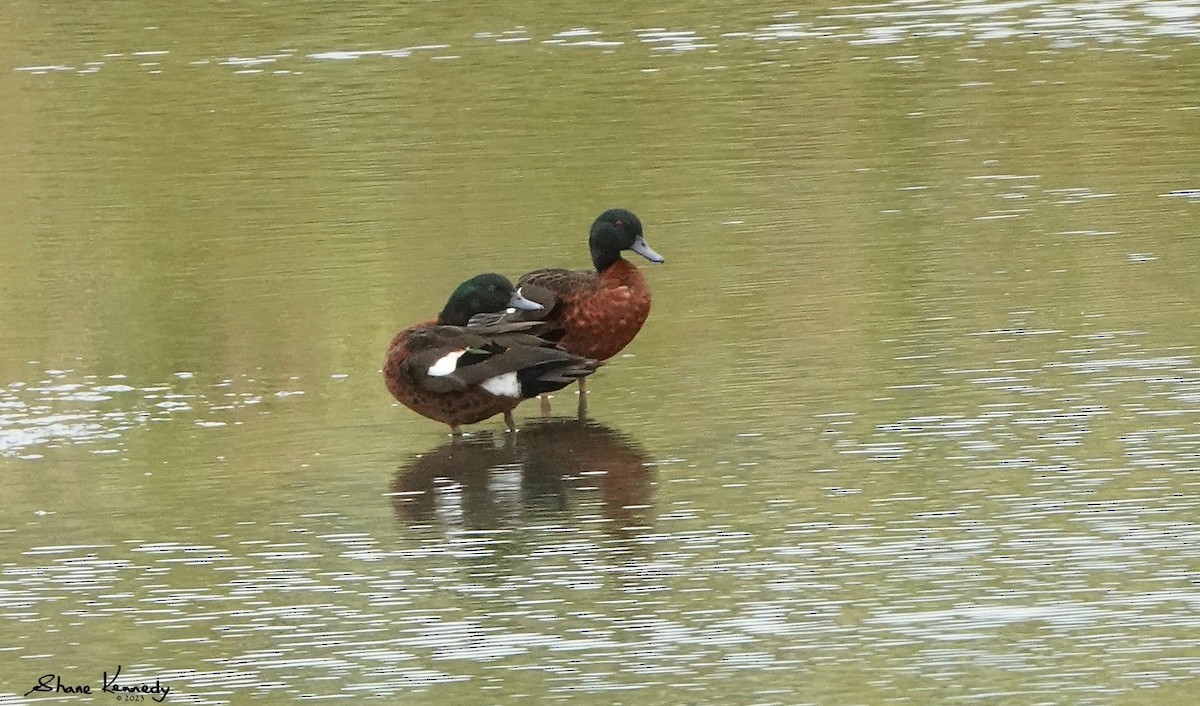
column 914, row 418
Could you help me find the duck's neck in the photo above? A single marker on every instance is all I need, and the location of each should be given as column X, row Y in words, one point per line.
column 603, row 258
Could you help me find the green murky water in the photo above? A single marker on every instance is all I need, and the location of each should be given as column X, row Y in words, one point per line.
column 916, row 416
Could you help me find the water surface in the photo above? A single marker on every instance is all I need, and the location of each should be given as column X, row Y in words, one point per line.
column 914, row 418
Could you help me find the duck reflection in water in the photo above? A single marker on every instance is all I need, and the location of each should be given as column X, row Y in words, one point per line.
column 487, row 480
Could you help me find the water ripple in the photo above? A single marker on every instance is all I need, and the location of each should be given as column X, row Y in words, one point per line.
column 1063, row 26
column 63, row 408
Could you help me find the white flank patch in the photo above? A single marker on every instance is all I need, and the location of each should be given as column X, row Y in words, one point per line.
column 446, row 364
column 505, row 385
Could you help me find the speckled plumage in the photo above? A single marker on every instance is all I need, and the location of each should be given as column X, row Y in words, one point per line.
column 599, row 312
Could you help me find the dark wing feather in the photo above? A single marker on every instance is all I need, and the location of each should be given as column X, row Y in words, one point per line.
column 497, row 350
column 557, row 281
column 547, row 317
column 517, row 360
column 427, row 346
column 495, row 324
column 492, row 318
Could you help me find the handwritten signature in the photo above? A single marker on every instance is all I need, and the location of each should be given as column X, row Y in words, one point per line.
column 108, row 685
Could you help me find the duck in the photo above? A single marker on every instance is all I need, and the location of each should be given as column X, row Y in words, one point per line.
column 457, row 372
column 592, row 313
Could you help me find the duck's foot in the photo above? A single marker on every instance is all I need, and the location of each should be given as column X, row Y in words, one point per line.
column 508, row 419
column 545, row 400
column 455, row 430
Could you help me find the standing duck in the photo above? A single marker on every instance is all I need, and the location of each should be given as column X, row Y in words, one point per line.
column 458, row 374
column 594, row 313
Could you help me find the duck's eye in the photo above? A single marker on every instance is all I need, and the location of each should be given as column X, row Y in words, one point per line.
column 619, row 224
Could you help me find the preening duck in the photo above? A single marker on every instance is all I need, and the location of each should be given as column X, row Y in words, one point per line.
column 457, row 374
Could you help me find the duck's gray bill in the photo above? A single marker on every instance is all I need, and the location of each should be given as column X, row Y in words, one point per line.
column 639, row 246
column 518, row 301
